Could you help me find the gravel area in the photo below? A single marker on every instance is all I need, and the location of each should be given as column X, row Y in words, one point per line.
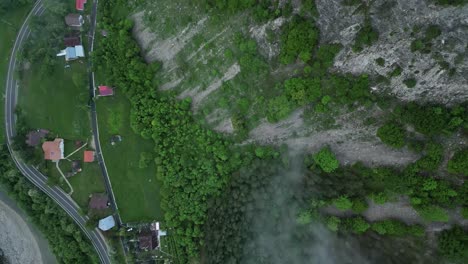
column 20, row 241
column 17, row 241
column 401, row 210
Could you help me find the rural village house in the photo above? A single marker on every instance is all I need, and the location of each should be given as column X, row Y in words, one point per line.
column 98, row 201
column 80, row 4
column 72, row 41
column 105, row 91
column 53, row 150
column 72, row 53
column 33, row 138
column 88, row 156
column 106, row 223
column 75, row 21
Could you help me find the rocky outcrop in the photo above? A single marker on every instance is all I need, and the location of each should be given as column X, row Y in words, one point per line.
column 395, row 20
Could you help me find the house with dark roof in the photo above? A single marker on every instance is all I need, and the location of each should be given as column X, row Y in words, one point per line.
column 33, row 138
column 75, row 21
column 147, row 241
column 72, row 41
column 98, row 201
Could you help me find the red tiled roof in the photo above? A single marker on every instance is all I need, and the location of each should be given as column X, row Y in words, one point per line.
column 80, row 4
column 88, row 156
column 105, row 91
column 53, row 150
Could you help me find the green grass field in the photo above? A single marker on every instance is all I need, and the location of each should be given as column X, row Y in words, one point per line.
column 136, row 190
column 58, row 102
column 86, row 182
column 9, row 27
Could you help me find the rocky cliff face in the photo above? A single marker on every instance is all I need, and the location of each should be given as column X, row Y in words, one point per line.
column 441, row 75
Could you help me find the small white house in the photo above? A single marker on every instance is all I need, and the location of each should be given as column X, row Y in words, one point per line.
column 106, row 223
column 72, row 53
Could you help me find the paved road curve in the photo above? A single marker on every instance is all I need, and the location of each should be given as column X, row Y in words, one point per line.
column 36, row 177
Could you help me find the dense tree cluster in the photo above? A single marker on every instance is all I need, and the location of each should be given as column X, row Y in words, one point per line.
column 343, row 203
column 349, row 185
column 458, row 164
column 319, row 89
column 47, row 32
column 232, row 216
column 453, row 244
column 392, row 134
column 298, row 40
column 250, row 61
column 432, row 120
column 193, row 163
column 396, row 228
column 8, row 5
column 66, row 240
column 326, row 160
column 366, row 36
column 228, row 5
column 242, row 218
column 302, row 91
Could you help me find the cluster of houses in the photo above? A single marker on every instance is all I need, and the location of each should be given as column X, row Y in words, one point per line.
column 99, row 202
column 73, row 47
column 54, row 151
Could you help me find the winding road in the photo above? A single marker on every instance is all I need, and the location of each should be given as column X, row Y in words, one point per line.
column 30, row 172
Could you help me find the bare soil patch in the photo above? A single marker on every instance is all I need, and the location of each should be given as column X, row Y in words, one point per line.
column 163, row 50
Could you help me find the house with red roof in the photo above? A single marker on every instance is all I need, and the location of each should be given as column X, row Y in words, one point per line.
column 80, row 4
column 106, row 91
column 53, row 150
column 88, row 156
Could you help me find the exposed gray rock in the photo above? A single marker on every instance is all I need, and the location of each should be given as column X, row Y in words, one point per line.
column 394, row 20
